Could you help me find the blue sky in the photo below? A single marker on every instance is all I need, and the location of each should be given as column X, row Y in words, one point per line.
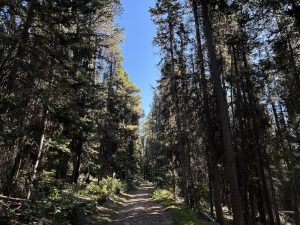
column 140, row 58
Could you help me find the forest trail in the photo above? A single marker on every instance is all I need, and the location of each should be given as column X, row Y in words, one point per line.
column 141, row 209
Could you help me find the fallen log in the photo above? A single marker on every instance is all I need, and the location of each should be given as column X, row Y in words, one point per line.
column 288, row 215
column 11, row 199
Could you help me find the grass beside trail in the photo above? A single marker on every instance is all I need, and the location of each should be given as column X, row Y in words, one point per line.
column 181, row 214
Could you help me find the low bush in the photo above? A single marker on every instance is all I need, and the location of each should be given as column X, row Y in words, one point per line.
column 68, row 204
column 181, row 214
column 101, row 192
column 162, row 194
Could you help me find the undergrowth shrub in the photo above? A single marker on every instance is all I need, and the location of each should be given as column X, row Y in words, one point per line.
column 69, row 204
column 101, row 192
column 162, row 194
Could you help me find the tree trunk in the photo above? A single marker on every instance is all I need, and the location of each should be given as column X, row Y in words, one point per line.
column 296, row 206
column 242, row 151
column 277, row 218
column 17, row 50
column 217, row 197
column 211, row 149
column 177, row 113
column 39, row 156
column 8, row 184
column 77, row 144
column 224, row 118
column 253, row 108
column 62, row 168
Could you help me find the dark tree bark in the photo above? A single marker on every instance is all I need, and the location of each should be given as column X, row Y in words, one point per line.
column 253, row 108
column 76, row 147
column 242, row 151
column 62, row 168
column 17, row 51
column 175, row 100
column 209, row 132
column 224, row 118
column 8, row 183
column 40, row 154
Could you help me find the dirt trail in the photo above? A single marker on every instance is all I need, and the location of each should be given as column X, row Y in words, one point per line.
column 140, row 209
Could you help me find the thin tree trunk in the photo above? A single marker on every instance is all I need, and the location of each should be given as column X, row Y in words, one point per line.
column 77, row 147
column 7, row 189
column 76, row 168
column 256, row 139
column 211, row 204
column 296, row 206
column 39, row 156
column 177, row 112
column 62, row 168
column 217, row 198
column 209, row 133
column 277, row 218
column 252, row 207
column 17, row 50
column 242, row 153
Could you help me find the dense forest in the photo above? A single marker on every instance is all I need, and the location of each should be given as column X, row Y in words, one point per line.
column 68, row 110
column 223, row 133
column 225, row 115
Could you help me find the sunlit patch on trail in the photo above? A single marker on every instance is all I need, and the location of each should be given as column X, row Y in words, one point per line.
column 141, row 209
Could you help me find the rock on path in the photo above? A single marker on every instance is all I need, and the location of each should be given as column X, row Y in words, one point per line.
column 140, row 209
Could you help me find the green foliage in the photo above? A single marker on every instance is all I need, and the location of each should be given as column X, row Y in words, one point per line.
column 74, row 202
column 162, row 194
column 181, row 214
column 69, row 111
column 60, row 207
column 61, row 145
column 101, row 192
column 75, row 113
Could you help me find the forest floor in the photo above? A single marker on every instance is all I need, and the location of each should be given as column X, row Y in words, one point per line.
column 140, row 209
